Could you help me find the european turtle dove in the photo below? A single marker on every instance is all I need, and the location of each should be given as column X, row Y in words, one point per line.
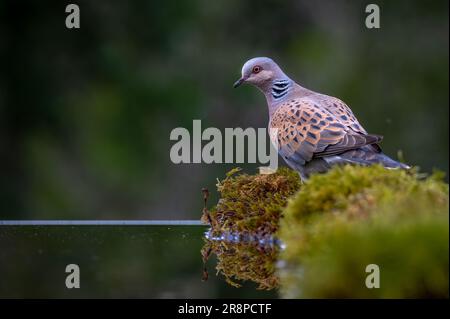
column 312, row 131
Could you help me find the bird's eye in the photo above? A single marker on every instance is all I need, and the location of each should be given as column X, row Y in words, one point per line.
column 256, row 69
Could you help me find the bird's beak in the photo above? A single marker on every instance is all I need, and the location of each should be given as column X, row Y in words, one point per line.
column 239, row 82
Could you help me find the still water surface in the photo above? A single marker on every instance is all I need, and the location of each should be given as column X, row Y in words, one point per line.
column 128, row 260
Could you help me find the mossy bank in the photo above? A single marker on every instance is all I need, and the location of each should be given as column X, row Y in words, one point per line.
column 352, row 217
column 335, row 225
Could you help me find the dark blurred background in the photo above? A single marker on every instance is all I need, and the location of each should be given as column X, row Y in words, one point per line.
column 85, row 114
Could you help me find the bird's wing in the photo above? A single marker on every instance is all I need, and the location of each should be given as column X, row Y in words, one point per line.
column 340, row 111
column 304, row 131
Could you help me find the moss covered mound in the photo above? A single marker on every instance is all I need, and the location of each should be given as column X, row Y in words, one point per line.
column 351, row 217
column 252, row 203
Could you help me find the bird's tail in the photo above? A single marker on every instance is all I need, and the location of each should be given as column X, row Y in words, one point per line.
column 366, row 156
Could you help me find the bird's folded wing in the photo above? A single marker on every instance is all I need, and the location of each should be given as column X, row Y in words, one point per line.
column 349, row 142
column 305, row 131
column 342, row 113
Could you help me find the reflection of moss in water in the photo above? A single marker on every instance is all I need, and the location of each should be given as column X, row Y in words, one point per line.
column 252, row 203
column 244, row 261
column 354, row 216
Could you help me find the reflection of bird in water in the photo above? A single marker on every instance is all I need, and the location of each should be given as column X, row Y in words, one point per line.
column 312, row 131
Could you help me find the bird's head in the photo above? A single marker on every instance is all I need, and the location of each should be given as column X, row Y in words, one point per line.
column 260, row 72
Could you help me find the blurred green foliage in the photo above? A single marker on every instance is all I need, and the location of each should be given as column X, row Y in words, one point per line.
column 85, row 115
column 352, row 217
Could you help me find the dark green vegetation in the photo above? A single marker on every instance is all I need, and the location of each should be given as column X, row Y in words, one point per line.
column 85, row 115
column 342, row 221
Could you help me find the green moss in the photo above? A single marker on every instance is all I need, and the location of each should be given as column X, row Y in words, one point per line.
column 252, row 203
column 354, row 216
column 332, row 228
